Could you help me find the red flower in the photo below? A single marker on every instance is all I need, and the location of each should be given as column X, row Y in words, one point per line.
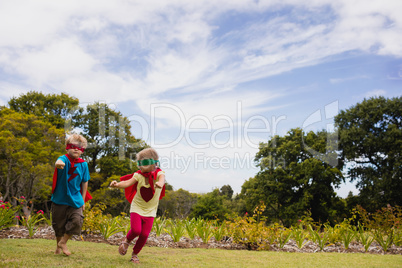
column 40, row 211
column 300, row 220
column 22, row 197
column 18, row 217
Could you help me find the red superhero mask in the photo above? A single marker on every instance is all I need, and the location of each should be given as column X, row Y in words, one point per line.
column 73, row 146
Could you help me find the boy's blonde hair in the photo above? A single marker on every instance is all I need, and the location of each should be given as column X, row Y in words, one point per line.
column 147, row 154
column 78, row 140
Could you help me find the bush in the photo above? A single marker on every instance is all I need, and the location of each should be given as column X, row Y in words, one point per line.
column 93, row 217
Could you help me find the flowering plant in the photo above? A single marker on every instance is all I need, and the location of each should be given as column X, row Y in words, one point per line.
column 204, row 231
column 219, row 231
column 176, row 229
column 365, row 238
column 191, row 227
column 7, row 213
column 48, row 221
column 321, row 238
column 300, row 236
column 31, row 222
column 110, row 226
column 158, row 226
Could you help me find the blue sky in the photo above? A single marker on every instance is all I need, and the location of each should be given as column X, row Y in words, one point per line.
column 205, row 81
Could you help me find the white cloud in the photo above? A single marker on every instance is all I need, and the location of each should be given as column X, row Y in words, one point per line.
column 344, row 79
column 177, row 39
column 235, row 106
column 8, row 91
column 375, row 93
column 91, row 25
column 197, row 56
column 58, row 61
column 200, row 170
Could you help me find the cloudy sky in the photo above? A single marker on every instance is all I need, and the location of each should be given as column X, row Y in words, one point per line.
column 205, row 82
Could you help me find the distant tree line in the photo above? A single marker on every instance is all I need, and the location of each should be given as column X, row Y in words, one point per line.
column 298, row 175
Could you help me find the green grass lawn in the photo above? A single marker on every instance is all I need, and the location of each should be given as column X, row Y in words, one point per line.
column 40, row 253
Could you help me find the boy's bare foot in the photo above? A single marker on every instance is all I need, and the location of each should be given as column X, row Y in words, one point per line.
column 63, row 247
column 62, row 244
column 58, row 250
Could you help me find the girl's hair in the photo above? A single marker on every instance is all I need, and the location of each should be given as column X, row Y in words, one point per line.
column 76, row 138
column 147, row 154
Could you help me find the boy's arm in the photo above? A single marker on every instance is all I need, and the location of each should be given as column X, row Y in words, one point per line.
column 59, row 164
column 123, row 184
column 161, row 181
column 84, row 187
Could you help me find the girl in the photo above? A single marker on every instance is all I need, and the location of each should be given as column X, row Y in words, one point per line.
column 143, row 190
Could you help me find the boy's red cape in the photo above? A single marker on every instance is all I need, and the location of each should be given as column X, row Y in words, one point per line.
column 70, row 172
column 132, row 190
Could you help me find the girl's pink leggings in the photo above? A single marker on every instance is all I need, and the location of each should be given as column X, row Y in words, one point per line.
column 141, row 227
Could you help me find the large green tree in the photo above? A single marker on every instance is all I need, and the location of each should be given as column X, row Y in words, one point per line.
column 227, row 191
column 54, row 108
column 177, row 204
column 293, row 180
column 111, row 146
column 28, row 149
column 108, row 133
column 211, row 206
column 371, row 144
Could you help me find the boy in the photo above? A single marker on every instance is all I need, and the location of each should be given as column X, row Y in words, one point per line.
column 69, row 192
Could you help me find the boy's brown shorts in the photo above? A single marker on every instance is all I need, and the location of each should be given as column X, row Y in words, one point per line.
column 66, row 220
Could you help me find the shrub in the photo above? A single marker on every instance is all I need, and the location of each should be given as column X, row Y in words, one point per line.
column 93, row 217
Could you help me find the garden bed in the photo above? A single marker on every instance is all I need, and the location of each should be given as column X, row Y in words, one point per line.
column 165, row 241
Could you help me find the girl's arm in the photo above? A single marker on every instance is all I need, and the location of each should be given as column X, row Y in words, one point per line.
column 161, row 181
column 123, row 184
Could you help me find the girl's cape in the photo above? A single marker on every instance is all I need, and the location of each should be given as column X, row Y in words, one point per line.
column 132, row 190
column 70, row 172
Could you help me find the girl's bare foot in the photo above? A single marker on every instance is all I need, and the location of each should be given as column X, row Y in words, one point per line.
column 58, row 251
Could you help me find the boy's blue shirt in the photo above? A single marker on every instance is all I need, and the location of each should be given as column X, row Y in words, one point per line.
column 69, row 192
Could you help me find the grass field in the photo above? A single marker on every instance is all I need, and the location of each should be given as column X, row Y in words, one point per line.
column 39, row 253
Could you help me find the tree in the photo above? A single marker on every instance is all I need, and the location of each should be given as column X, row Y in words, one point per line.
column 111, row 165
column 227, row 191
column 211, row 206
column 292, row 181
column 28, row 149
column 101, row 193
column 371, row 143
column 177, row 204
column 111, row 147
column 108, row 133
column 52, row 108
